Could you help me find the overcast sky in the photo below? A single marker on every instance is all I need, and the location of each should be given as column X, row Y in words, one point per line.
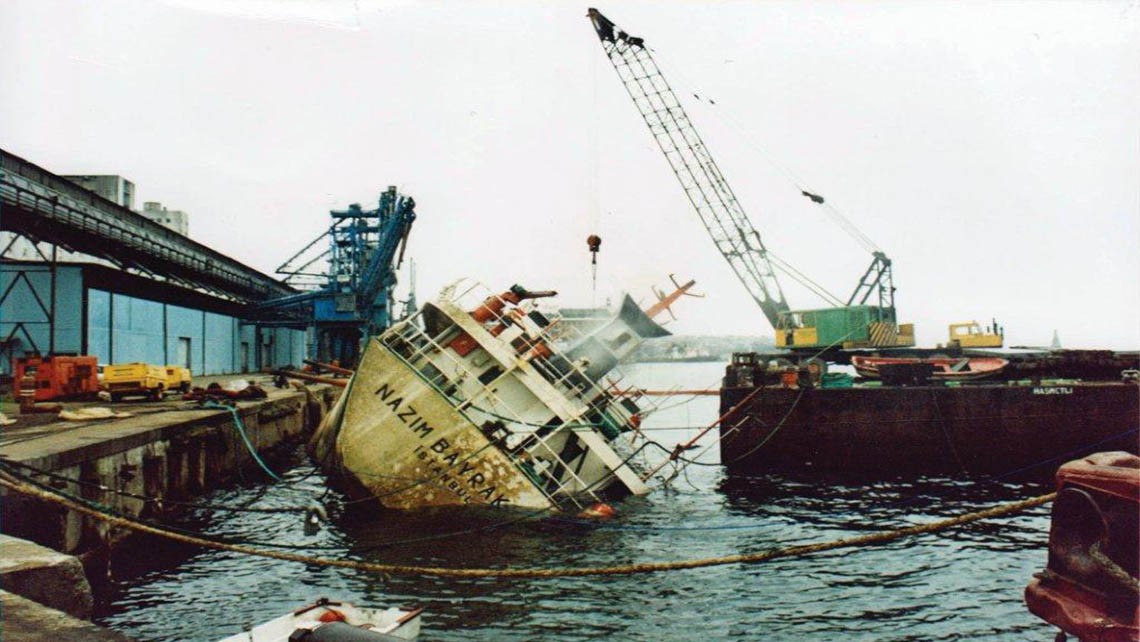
column 992, row 150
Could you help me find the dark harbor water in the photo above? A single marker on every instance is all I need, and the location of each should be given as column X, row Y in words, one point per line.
column 956, row 585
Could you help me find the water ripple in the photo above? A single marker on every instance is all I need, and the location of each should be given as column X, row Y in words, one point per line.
column 955, row 585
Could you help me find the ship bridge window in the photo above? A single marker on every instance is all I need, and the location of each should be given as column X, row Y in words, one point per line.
column 434, row 375
column 539, row 318
column 549, row 427
column 403, row 343
column 490, row 375
column 620, row 340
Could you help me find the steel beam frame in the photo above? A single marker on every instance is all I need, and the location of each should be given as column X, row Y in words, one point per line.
column 46, row 207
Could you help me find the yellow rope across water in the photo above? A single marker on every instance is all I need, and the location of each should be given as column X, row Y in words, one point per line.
column 627, row 569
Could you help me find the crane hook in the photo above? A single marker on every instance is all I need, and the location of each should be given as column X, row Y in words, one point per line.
column 595, row 243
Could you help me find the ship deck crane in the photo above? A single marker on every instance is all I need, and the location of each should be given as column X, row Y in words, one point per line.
column 857, row 323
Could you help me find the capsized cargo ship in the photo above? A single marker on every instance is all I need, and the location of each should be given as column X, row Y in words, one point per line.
column 472, row 402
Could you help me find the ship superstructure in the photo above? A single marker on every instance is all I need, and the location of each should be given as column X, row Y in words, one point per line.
column 470, row 402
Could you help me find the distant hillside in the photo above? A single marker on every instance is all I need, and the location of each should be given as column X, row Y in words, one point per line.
column 699, row 347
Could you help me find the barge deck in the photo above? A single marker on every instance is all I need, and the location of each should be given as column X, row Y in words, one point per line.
column 984, row 429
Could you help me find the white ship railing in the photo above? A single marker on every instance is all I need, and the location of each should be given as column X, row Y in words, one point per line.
column 525, row 452
column 533, row 455
column 413, row 345
column 570, row 380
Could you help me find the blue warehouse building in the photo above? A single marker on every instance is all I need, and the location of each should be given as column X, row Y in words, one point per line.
column 98, row 312
column 104, row 281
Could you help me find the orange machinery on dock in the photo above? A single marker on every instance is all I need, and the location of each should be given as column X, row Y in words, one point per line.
column 57, row 376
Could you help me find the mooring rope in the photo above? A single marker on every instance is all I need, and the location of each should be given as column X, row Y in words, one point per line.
column 625, row 569
column 213, row 405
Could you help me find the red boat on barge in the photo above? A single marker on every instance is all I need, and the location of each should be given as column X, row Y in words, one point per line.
column 941, row 368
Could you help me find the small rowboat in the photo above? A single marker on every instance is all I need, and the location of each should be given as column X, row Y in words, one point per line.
column 328, row 621
column 944, row 368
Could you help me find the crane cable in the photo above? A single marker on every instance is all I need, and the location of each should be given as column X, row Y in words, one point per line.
column 805, row 280
column 842, row 221
column 625, row 569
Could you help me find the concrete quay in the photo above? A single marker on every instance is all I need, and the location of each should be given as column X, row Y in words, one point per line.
column 172, row 450
column 169, row 450
column 45, row 576
column 46, row 596
column 25, row 620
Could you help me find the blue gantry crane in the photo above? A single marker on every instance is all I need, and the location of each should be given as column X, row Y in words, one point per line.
column 352, row 297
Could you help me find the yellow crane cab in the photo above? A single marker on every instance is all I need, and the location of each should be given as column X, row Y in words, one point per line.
column 971, row 334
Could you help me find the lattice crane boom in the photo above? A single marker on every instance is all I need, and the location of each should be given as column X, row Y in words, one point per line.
column 700, row 177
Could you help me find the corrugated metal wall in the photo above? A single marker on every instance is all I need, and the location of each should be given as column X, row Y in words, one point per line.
column 136, row 331
column 247, row 349
column 122, row 328
column 209, row 343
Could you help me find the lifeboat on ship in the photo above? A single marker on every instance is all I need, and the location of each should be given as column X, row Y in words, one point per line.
column 1089, row 588
column 941, row 368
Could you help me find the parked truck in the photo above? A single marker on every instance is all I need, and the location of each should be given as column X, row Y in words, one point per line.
column 178, row 378
column 143, row 379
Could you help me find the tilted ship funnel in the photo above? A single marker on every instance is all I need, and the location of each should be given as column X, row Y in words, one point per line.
column 604, row 348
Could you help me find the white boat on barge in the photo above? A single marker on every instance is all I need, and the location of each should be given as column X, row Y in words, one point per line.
column 470, row 402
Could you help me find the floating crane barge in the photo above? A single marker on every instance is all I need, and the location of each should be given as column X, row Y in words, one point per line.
column 1024, row 425
column 1054, row 405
